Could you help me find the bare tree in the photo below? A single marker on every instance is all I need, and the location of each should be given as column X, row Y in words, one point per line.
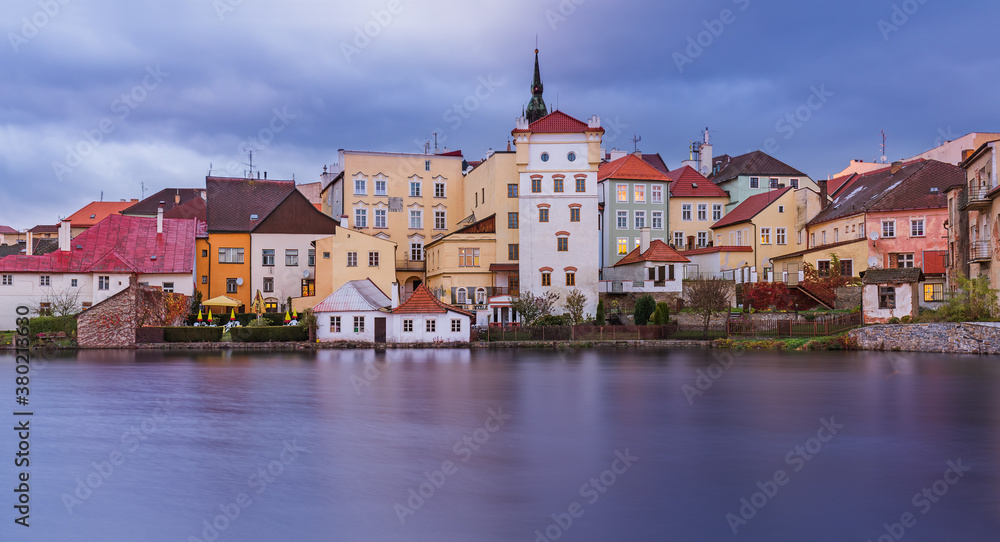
column 708, row 296
column 532, row 307
column 65, row 302
column 575, row 302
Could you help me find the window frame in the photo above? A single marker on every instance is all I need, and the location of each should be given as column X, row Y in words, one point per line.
column 268, row 284
column 267, row 257
column 291, row 257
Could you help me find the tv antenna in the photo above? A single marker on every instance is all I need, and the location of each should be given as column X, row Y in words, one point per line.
column 249, row 172
column 209, row 169
column 884, row 158
column 636, row 138
column 142, row 191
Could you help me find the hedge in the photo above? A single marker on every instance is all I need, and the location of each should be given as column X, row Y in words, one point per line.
column 262, row 334
column 244, row 318
column 199, row 334
column 52, row 324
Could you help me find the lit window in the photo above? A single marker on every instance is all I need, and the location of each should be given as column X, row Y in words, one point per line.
column 640, row 193
column 622, row 190
column 933, row 292
column 623, row 245
column 308, row 287
column 765, row 236
column 468, row 257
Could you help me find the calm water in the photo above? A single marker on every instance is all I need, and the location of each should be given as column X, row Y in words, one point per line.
column 594, row 446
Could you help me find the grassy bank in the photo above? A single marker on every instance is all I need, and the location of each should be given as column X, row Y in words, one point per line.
column 834, row 342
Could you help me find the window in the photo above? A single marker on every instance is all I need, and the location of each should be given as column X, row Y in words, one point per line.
column 361, row 218
column 73, row 283
column 414, row 189
column 545, row 157
column 536, row 186
column 440, row 220
column 904, row 260
column 461, row 297
column 311, row 255
column 571, row 157
column 765, row 236
column 268, row 284
column 703, row 239
column 686, row 212
column 754, row 182
column 678, row 239
column 823, row 268
column 512, row 221
column 702, row 212
column 812, row 238
column 468, row 257
column 204, row 279
column 657, row 193
column 456, row 325
column 780, row 236
column 581, row 184
column 417, row 251
column 622, row 190
column 360, row 187
column 781, row 208
column 933, row 292
column 570, row 279
column 622, row 220
column 359, row 324
column 557, row 184
column 886, row 297
column 574, row 214
column 335, row 324
column 381, row 218
column 326, row 255
column 640, row 219
column 267, row 257
column 546, row 279
column 427, row 165
column 103, row 282
column 308, row 287
column 623, row 245
column 716, row 211
column 373, row 257
column 439, row 190
column 512, row 252
column 774, row 182
column 800, row 237
column 291, row 257
column 352, row 259
column 511, row 190
column 836, row 235
column 231, row 286
column 408, row 325
column 45, row 308
column 657, row 220
column 888, row 228
column 543, row 215
column 917, row 227
column 562, row 244
column 380, row 187
column 847, row 268
column 861, row 229
column 416, row 219
column 639, row 193
column 230, row 255
column 430, row 326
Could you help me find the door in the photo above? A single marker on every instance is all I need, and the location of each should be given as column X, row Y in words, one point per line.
column 379, row 330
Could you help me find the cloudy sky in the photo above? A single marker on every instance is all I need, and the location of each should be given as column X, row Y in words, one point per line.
column 100, row 96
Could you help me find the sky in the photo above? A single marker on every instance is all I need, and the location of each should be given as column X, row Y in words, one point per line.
column 116, row 100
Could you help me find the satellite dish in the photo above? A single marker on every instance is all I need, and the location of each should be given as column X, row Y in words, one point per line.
column 873, row 235
column 872, row 261
column 305, row 273
column 239, row 281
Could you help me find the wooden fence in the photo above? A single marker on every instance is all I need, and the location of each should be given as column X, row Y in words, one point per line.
column 583, row 332
column 764, row 326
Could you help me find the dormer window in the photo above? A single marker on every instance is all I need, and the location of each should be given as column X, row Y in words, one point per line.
column 253, row 217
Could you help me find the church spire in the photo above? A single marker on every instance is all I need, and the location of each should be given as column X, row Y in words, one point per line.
column 536, row 107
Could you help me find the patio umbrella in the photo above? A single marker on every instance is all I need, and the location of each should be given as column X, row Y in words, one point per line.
column 287, row 318
column 209, row 315
column 295, row 315
column 200, row 319
column 232, row 315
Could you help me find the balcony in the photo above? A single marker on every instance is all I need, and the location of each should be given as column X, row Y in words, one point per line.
column 410, row 265
column 979, row 251
column 503, row 290
column 973, row 198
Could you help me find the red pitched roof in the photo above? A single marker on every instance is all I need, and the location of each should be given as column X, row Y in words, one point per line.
column 96, row 211
column 119, row 244
column 558, row 122
column 630, row 167
column 750, row 207
column 45, row 228
column 658, row 251
column 710, row 250
column 7, row 230
column 686, row 182
column 422, row 301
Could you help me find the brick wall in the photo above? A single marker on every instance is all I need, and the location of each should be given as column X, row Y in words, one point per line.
column 946, row 338
column 109, row 324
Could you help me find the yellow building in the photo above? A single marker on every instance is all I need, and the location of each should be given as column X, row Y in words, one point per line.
column 696, row 203
column 491, row 188
column 351, row 255
column 459, row 268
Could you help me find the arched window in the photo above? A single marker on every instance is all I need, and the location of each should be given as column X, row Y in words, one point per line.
column 480, row 296
column 460, row 296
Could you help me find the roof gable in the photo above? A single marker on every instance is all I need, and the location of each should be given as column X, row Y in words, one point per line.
column 422, row 301
column 96, row 211
column 168, row 196
column 233, row 202
column 688, row 183
column 751, row 207
column 558, row 122
column 899, row 275
column 355, row 296
column 630, row 167
column 755, row 163
column 295, row 214
column 658, row 251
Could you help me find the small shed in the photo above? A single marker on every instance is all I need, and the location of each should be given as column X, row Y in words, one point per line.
column 357, row 311
column 890, row 293
column 424, row 318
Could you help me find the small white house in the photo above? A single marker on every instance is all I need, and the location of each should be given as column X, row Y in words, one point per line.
column 651, row 267
column 424, row 319
column 890, row 293
column 357, row 311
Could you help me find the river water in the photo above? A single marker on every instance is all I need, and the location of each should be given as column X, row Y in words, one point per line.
column 519, row 445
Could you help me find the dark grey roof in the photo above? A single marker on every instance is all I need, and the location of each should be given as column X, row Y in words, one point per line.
column 893, row 276
column 755, row 163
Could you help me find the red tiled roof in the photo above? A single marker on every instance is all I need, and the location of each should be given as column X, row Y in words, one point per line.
column 119, row 243
column 750, row 207
column 422, row 301
column 658, row 251
column 45, row 228
column 168, row 196
column 232, row 201
column 630, row 167
column 193, row 208
column 688, row 183
column 95, row 211
column 558, row 122
column 755, row 163
column 450, row 153
column 836, row 183
column 7, row 230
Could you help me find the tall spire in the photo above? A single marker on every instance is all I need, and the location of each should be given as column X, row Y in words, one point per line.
column 536, row 107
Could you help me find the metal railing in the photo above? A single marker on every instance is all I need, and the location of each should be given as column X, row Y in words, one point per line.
column 974, row 196
column 979, row 251
column 411, row 265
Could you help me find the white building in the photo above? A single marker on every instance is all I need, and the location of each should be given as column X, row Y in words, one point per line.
column 424, row 318
column 357, row 311
column 558, row 159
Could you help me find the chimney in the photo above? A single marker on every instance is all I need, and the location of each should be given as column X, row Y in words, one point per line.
column 177, row 196
column 638, row 154
column 966, row 153
column 64, row 235
column 896, row 166
column 705, row 156
column 643, row 240
column 265, row 175
column 159, row 218
column 29, row 244
column 395, row 295
column 824, row 196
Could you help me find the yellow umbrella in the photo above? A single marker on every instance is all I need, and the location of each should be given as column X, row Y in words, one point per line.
column 287, row 318
column 209, row 315
column 232, row 315
column 295, row 315
column 200, row 319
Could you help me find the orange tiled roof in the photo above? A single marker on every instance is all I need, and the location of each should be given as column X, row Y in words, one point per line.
column 630, row 167
column 558, row 122
column 688, row 183
column 96, row 211
column 658, row 251
column 750, row 207
column 422, row 301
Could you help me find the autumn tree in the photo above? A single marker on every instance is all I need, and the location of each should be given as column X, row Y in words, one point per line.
column 532, row 307
column 575, row 302
column 707, row 296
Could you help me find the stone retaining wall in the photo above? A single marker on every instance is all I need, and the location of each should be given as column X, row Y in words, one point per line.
column 945, row 338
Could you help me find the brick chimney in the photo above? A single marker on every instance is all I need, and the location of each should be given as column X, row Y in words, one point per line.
column 159, row 218
column 896, row 166
column 64, row 236
column 177, row 196
column 643, row 240
column 824, row 196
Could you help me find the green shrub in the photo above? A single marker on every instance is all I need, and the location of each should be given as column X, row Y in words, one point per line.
column 644, row 308
column 893, row 320
column 253, row 334
column 553, row 320
column 52, row 324
column 192, row 334
column 600, row 319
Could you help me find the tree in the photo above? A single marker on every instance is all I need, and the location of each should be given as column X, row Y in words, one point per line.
column 707, row 296
column 644, row 308
column 65, row 302
column 600, row 319
column 825, row 286
column 661, row 315
column 972, row 301
column 532, row 307
column 575, row 302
